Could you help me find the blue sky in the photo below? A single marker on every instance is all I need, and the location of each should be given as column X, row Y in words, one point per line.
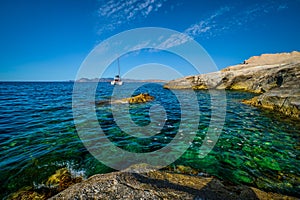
column 48, row 40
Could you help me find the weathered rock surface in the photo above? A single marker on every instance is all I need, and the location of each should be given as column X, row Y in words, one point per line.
column 268, row 59
column 275, row 75
column 160, row 185
column 285, row 99
column 141, row 98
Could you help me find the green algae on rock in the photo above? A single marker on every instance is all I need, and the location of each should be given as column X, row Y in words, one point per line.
column 56, row 183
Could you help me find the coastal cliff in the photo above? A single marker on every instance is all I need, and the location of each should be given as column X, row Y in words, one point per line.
column 275, row 76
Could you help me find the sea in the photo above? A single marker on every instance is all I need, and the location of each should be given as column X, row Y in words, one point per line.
column 39, row 135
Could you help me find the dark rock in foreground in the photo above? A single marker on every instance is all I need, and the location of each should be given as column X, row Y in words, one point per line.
column 160, row 185
column 275, row 76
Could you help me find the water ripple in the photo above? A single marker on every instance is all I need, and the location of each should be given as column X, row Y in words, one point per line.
column 38, row 136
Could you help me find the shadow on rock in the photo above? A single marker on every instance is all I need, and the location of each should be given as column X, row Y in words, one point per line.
column 160, row 185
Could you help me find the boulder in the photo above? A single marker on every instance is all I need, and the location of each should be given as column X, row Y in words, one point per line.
column 160, row 185
column 141, row 98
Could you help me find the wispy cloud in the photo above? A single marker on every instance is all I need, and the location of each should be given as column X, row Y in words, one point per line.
column 118, row 12
column 232, row 18
column 282, row 7
column 204, row 26
column 174, row 40
column 115, row 13
column 222, row 21
column 207, row 24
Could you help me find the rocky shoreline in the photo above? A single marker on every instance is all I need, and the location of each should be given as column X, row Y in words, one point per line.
column 160, row 185
column 142, row 182
column 276, row 77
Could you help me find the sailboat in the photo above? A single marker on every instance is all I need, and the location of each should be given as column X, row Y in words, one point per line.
column 117, row 80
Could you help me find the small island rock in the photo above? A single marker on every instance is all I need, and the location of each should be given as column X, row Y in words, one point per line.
column 141, row 98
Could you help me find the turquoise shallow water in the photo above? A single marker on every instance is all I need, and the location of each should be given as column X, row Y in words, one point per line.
column 38, row 136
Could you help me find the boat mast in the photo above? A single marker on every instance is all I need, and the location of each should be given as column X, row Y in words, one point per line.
column 118, row 67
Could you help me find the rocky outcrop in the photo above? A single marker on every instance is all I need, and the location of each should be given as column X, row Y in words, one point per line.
column 277, row 76
column 141, row 98
column 268, row 59
column 258, row 74
column 160, row 185
column 284, row 99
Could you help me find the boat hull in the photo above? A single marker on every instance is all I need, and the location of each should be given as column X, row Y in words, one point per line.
column 116, row 83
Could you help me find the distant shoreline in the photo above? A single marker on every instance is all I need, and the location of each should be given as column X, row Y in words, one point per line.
column 124, row 80
column 78, row 81
column 71, row 81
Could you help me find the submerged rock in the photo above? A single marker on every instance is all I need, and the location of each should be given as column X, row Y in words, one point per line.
column 160, row 185
column 56, row 183
column 62, row 179
column 275, row 76
column 242, row 176
column 28, row 193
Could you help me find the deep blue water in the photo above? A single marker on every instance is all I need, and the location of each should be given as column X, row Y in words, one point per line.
column 38, row 136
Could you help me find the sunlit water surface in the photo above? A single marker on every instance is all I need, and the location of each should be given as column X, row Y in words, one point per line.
column 38, row 136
